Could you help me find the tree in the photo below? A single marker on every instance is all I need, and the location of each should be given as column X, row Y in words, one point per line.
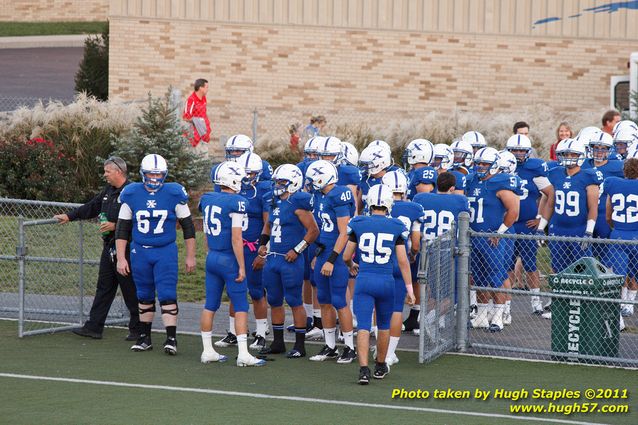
column 93, row 75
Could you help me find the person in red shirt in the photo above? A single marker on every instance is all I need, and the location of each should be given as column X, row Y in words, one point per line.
column 196, row 107
column 563, row 131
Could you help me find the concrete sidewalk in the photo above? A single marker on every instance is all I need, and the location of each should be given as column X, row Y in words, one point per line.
column 35, row 41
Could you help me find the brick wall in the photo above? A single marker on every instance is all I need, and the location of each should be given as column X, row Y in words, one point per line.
column 53, row 10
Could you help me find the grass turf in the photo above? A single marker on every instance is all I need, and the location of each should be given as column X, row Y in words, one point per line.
column 68, row 356
column 15, row 29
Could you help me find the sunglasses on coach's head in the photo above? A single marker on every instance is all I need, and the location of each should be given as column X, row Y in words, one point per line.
column 112, row 160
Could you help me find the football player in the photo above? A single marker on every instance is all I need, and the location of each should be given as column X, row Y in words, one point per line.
column 238, row 145
column 224, row 213
column 417, row 157
column 379, row 238
column 494, row 207
column 148, row 216
column 411, row 215
column 374, row 162
column 290, row 228
column 463, row 162
column 335, row 207
column 534, row 212
column 476, row 139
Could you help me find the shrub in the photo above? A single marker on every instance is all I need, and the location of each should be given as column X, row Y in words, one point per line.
column 93, row 76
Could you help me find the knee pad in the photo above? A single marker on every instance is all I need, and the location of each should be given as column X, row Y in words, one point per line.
column 171, row 311
column 149, row 306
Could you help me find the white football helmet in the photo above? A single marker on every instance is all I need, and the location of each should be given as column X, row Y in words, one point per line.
column 253, row 166
column 476, row 139
column 237, row 145
column 571, row 153
column 507, row 162
column 381, row 144
column 287, row 178
column 600, row 147
column 330, row 147
column 418, row 151
column 153, row 164
column 380, row 196
column 396, row 181
column 349, row 154
column 229, row 174
column 310, row 149
column 520, row 146
column 632, row 152
column 443, row 157
column 374, row 159
column 320, row 174
column 463, row 153
column 625, row 124
column 486, row 161
column 624, row 139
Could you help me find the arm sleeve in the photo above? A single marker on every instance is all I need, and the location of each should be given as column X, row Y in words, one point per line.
column 187, row 227
column 352, row 238
column 400, row 241
column 89, row 210
column 188, row 109
column 181, row 211
column 236, row 219
column 123, row 229
column 125, row 213
column 541, row 182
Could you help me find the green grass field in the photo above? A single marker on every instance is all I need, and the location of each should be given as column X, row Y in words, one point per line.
column 62, row 379
column 15, row 29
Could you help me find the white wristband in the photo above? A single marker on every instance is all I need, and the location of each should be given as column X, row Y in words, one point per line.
column 538, row 217
column 542, row 224
column 590, row 226
column 502, row 229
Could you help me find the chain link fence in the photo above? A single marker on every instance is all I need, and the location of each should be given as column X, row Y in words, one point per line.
column 8, row 104
column 48, row 271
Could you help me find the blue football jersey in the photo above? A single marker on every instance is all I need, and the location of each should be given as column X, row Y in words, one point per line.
column 154, row 213
column 302, row 166
column 570, row 209
column 254, row 209
column 423, row 175
column 530, row 194
column 552, row 164
column 409, row 213
column 486, row 209
column 613, row 168
column 366, row 183
column 440, row 211
column 286, row 231
column 348, row 175
column 623, row 195
column 337, row 203
column 266, row 171
column 217, row 208
column 376, row 240
column 461, row 180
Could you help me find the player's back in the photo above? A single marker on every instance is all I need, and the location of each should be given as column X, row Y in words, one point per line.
column 529, row 170
column 440, row 212
column 348, row 175
column 623, row 195
column 339, row 202
column 417, row 176
column 254, row 196
column 218, row 209
column 154, row 218
column 376, row 237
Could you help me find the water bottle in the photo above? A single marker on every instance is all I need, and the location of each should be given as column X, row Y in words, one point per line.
column 102, row 218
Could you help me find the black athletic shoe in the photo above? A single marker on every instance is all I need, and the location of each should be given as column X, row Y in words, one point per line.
column 132, row 336
column 411, row 323
column 295, row 354
column 364, row 375
column 326, row 353
column 170, row 346
column 258, row 343
column 381, row 370
column 273, row 349
column 143, row 343
column 228, row 340
column 347, row 356
column 88, row 333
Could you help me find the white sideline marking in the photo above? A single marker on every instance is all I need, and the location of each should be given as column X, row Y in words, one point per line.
column 291, row 398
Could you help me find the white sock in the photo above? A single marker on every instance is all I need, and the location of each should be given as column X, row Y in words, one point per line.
column 329, row 335
column 473, row 298
column 207, row 341
column 308, row 308
column 348, row 339
column 261, row 327
column 623, row 293
column 508, row 306
column 242, row 345
column 631, row 295
column 392, row 346
column 231, row 325
column 316, row 312
column 482, row 311
column 535, row 298
column 498, row 313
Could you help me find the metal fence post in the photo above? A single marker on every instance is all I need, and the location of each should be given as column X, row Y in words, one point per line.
column 21, row 252
column 463, row 279
column 255, row 117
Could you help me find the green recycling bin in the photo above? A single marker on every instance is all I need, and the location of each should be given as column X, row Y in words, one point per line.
column 585, row 327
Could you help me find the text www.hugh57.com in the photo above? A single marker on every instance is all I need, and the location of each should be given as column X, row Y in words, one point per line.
column 568, row 409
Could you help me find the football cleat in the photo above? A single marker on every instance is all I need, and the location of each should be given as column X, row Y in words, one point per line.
column 537, row 309
column 391, row 360
column 143, row 344
column 473, row 311
column 314, row 334
column 212, row 356
column 410, row 324
column 227, row 341
column 258, row 343
column 347, row 356
column 626, row 312
column 295, row 354
column 480, row 322
column 364, row 375
column 170, row 346
column 507, row 318
column 381, row 370
column 326, row 353
column 272, row 349
column 246, row 361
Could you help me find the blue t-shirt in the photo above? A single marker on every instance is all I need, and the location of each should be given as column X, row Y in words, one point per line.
column 441, row 210
column 623, row 195
column 423, row 175
column 337, row 203
column 376, row 240
column 286, row 231
column 154, row 218
column 486, row 209
column 570, row 208
column 217, row 208
column 254, row 209
column 527, row 171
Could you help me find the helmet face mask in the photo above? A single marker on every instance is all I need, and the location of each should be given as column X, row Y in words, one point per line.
column 520, row 154
column 374, row 160
column 520, row 146
column 463, row 153
column 154, row 171
column 320, row 174
column 571, row 153
column 236, row 146
column 253, row 166
column 486, row 161
column 599, row 152
column 329, row 149
column 443, row 157
column 286, row 178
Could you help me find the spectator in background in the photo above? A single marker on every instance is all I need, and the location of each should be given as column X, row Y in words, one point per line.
column 294, row 139
column 194, row 112
column 521, row 127
column 610, row 118
column 564, row 131
column 315, row 127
